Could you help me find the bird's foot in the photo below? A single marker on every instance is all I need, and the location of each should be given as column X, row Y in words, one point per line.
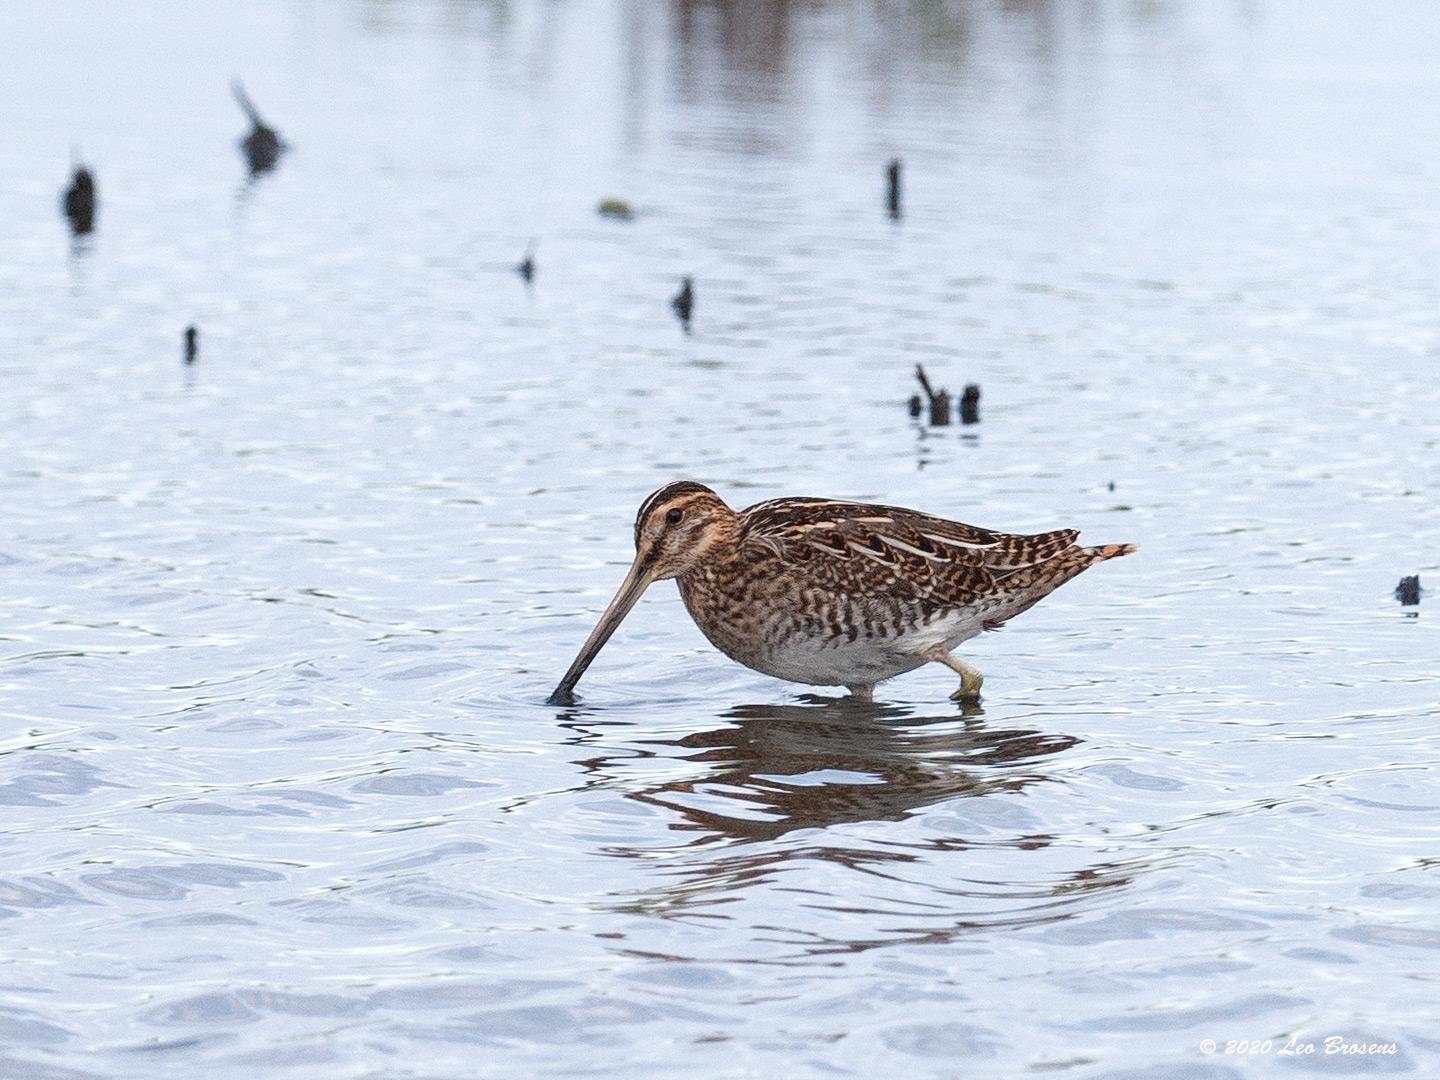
column 970, row 681
column 970, row 678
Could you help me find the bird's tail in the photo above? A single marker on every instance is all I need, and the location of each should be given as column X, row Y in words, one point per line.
column 1107, row 551
column 1027, row 587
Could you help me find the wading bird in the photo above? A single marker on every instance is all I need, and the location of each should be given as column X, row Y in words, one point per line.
column 835, row 593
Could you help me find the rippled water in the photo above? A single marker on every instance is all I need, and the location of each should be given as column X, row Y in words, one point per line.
column 280, row 795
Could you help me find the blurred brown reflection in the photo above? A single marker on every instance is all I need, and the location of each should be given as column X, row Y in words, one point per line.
column 744, row 73
column 762, row 53
column 829, row 762
column 751, row 44
column 743, row 796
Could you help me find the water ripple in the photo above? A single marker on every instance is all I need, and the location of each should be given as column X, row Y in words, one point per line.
column 280, row 794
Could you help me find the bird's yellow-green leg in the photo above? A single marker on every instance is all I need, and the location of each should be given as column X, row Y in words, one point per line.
column 970, row 678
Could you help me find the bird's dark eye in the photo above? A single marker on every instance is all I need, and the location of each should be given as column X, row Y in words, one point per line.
column 674, row 516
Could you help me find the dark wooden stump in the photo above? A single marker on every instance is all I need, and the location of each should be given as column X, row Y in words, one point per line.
column 79, row 201
column 1408, row 591
column 263, row 146
column 939, row 399
column 970, row 405
column 684, row 301
column 940, row 409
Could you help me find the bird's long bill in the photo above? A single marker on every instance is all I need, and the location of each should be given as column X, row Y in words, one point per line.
column 635, row 583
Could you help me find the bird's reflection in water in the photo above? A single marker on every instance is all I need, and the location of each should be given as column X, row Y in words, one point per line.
column 827, row 762
column 766, row 801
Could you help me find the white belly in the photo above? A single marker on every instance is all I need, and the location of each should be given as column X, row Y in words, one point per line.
column 838, row 661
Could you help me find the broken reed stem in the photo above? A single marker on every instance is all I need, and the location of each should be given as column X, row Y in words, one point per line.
column 939, row 399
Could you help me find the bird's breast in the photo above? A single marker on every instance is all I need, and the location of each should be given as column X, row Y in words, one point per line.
column 782, row 625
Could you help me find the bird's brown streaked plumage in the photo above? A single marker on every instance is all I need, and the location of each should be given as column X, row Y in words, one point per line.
column 835, row 593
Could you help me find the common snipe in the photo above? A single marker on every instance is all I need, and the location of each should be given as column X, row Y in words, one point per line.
column 835, row 593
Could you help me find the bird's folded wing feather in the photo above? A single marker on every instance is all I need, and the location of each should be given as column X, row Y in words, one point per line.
column 886, row 550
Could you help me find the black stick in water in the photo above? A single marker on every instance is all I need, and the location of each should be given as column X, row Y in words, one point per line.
column 1408, row 591
column 684, row 302
column 192, row 344
column 263, row 145
column 940, row 409
column 892, row 190
column 970, row 405
column 939, row 399
column 79, row 199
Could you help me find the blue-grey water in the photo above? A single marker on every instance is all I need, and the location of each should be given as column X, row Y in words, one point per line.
column 279, row 792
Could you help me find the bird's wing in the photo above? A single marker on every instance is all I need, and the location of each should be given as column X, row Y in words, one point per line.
column 874, row 550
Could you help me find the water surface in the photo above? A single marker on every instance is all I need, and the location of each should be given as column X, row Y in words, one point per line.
column 280, row 793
